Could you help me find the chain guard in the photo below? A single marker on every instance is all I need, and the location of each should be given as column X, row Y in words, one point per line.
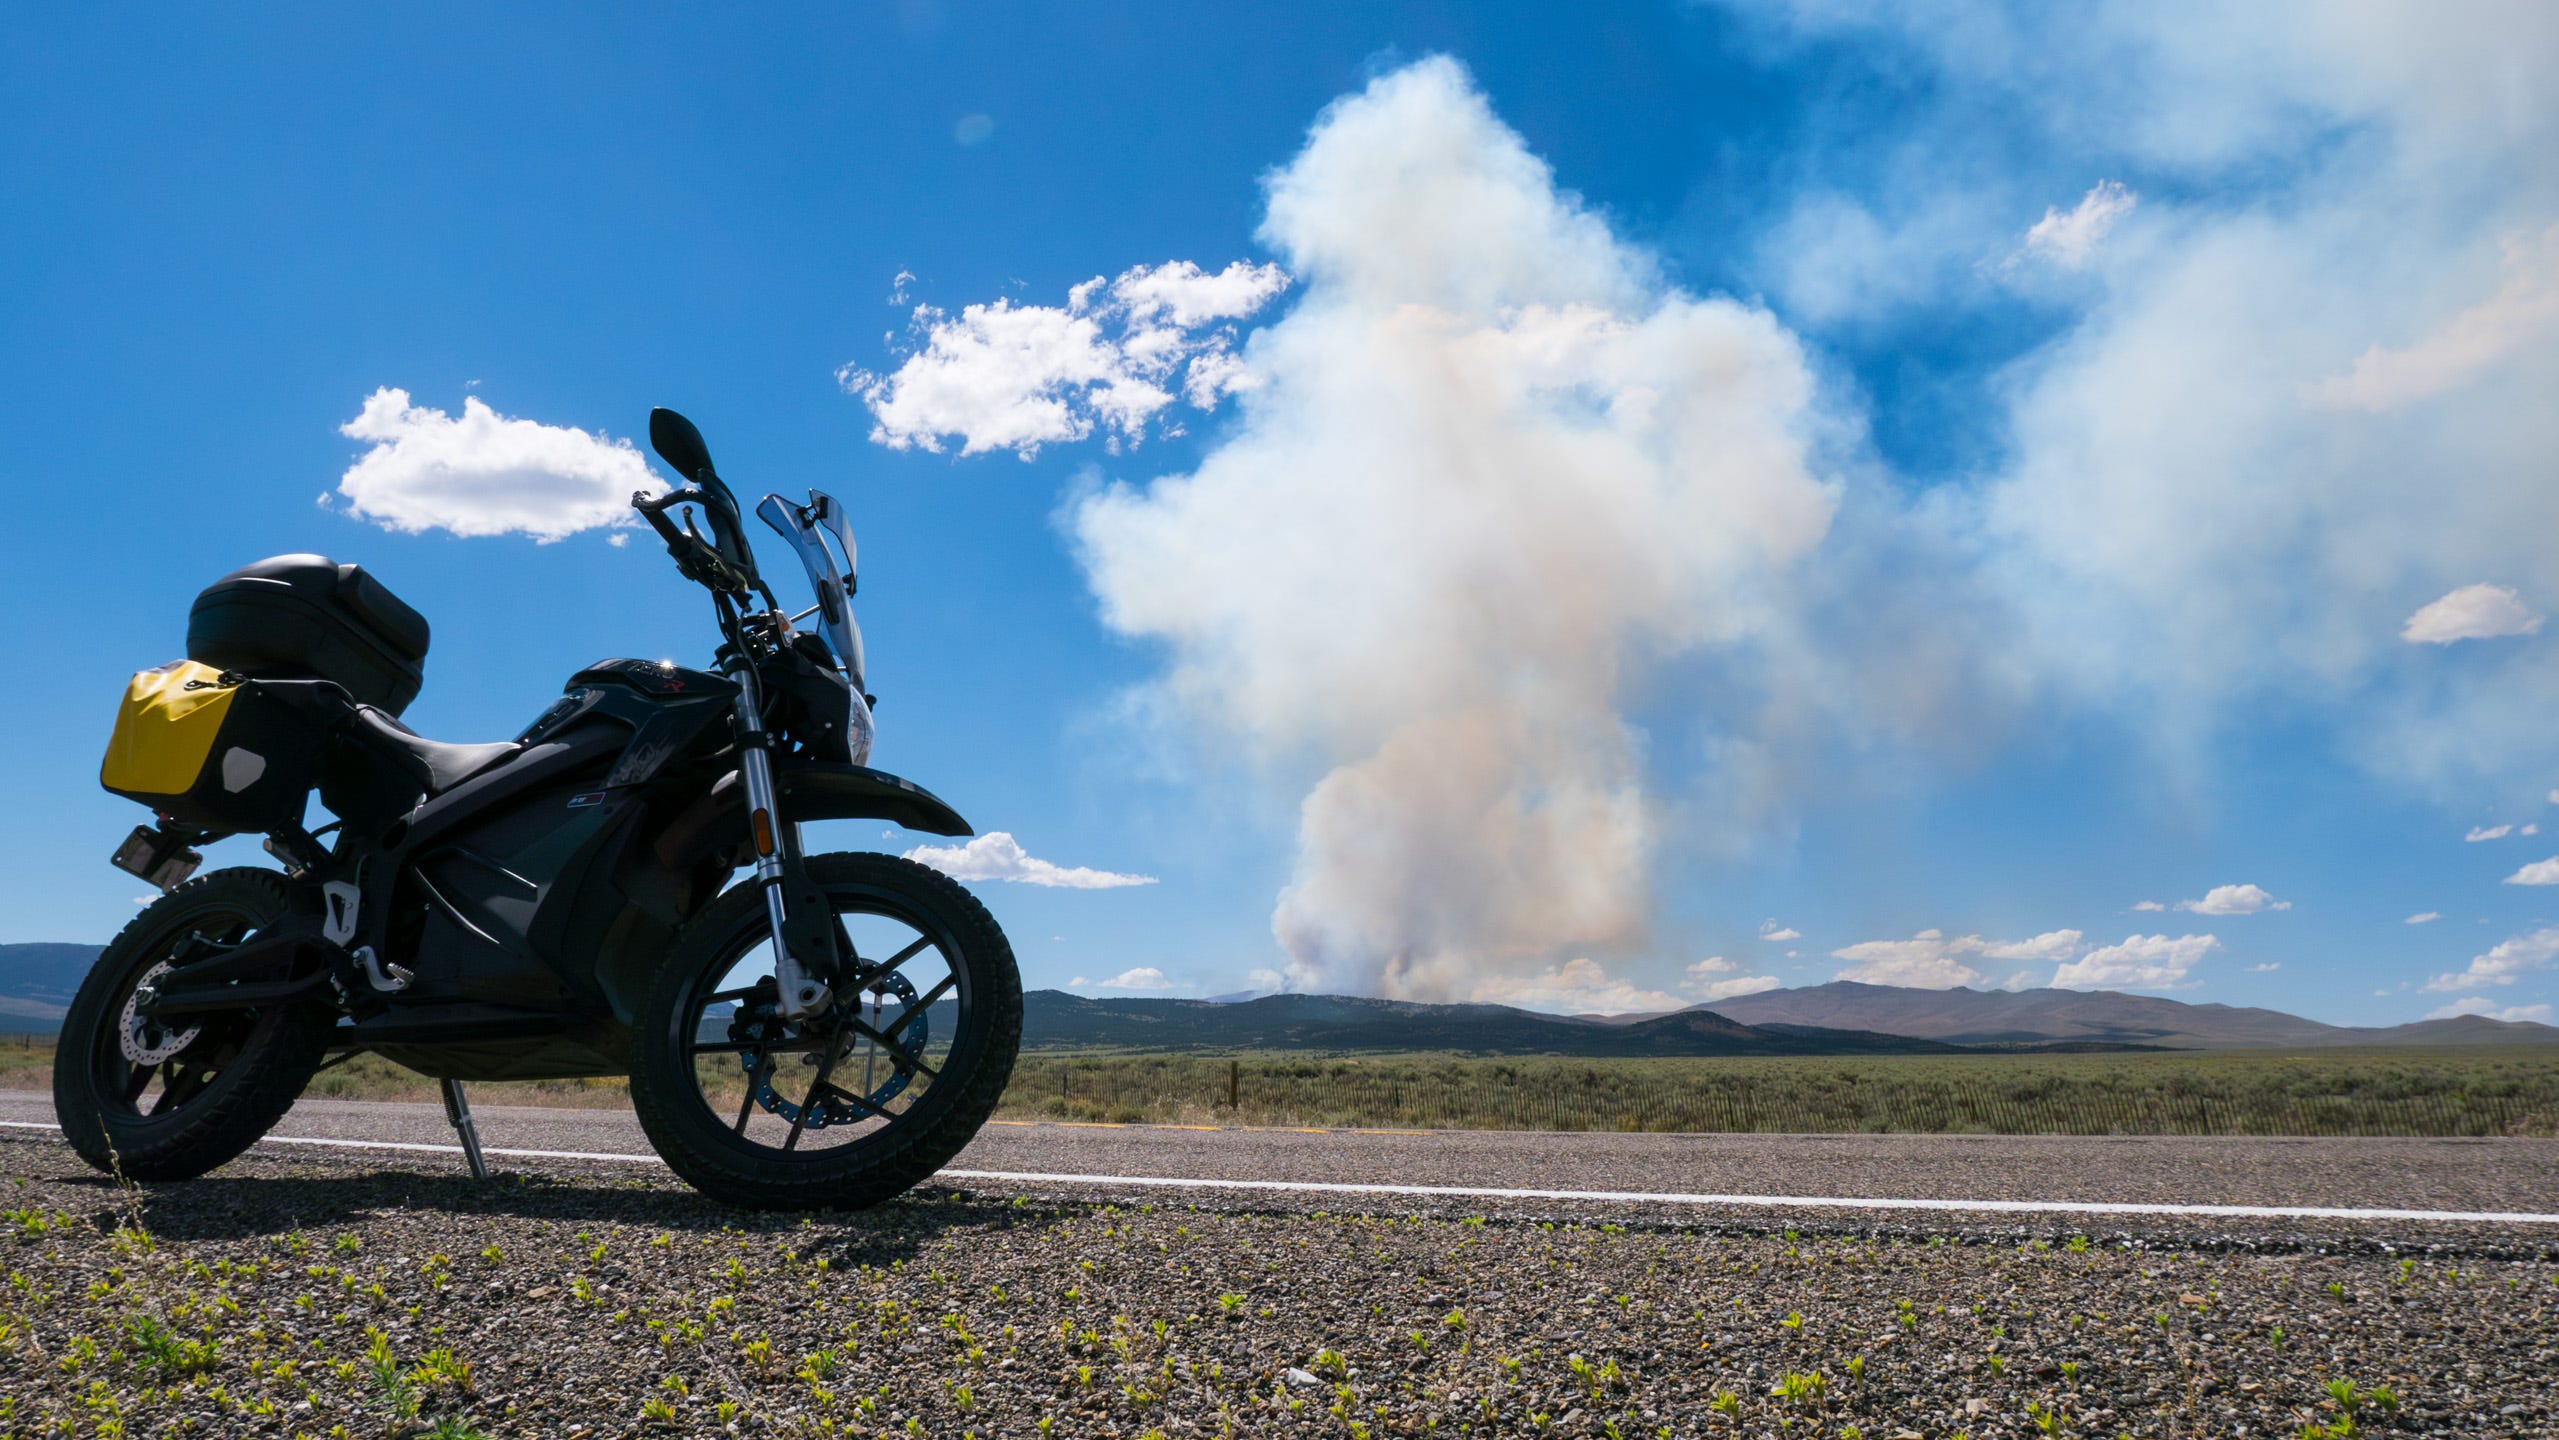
column 759, row 1020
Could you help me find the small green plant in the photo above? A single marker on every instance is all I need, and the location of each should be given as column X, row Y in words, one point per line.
column 1800, row 1389
column 656, row 1411
column 173, row 1355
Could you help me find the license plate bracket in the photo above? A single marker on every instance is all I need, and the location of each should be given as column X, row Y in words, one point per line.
column 157, row 856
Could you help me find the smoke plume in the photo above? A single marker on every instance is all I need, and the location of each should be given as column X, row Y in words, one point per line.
column 1487, row 474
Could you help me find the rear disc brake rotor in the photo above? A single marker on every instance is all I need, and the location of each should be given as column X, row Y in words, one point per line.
column 144, row 1040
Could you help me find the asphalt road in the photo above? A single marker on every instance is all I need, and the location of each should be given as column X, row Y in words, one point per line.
column 2513, row 1178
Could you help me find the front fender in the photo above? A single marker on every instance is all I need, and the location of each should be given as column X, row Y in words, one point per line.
column 715, row 825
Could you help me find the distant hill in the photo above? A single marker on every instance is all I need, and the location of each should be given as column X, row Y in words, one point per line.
column 37, row 981
column 2004, row 1017
column 1840, row 1018
column 1055, row 1020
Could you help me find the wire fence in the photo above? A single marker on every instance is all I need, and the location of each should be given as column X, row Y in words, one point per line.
column 2372, row 1093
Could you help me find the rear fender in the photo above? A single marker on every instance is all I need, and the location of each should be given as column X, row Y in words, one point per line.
column 714, row 827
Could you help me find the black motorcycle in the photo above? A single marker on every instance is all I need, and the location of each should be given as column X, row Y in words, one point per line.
column 828, row 1031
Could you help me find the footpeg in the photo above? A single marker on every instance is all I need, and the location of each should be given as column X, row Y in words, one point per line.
column 388, row 978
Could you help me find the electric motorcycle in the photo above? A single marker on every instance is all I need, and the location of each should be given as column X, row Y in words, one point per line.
column 826, row 1031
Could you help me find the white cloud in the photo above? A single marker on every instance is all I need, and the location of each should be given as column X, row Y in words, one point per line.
column 996, row 855
column 1271, row 980
column 485, row 473
column 1578, row 986
column 2070, row 240
column 1013, row 377
column 2488, row 832
column 2520, row 955
column 2142, row 962
column 1926, row 961
column 1144, row 977
column 2424, row 917
column 2481, row 1005
column 2268, row 968
column 2148, row 905
column 2524, row 312
column 2233, row 900
column 2554, row 797
column 1183, row 295
column 1702, row 983
column 2177, row 534
column 2539, row 872
column 2473, row 612
column 2051, row 945
column 1772, row 931
column 1932, row 961
column 2533, row 829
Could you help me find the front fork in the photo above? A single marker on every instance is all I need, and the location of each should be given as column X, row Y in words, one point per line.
column 803, row 923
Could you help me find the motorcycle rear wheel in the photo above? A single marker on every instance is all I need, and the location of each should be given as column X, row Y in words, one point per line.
column 859, row 1104
column 171, row 1101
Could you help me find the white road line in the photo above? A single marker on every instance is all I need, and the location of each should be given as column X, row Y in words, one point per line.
column 403, row 1145
column 1486, row 1192
column 1832, row 1202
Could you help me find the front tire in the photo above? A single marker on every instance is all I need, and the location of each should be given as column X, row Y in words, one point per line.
column 899, row 1073
column 170, row 1102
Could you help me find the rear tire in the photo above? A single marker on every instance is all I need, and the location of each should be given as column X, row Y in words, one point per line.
column 218, row 1091
column 731, row 1162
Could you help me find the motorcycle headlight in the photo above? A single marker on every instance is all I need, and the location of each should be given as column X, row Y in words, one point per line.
column 857, row 730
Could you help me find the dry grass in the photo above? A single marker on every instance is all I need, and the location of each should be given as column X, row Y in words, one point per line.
column 2461, row 1092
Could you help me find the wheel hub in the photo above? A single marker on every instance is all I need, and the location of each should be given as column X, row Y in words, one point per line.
column 758, row 1022
column 143, row 1039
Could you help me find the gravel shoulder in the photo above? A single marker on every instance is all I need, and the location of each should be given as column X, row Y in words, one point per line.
column 292, row 1293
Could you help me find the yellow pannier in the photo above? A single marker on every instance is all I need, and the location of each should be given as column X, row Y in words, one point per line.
column 210, row 750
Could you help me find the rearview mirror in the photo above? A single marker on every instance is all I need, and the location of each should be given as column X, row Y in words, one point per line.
column 679, row 444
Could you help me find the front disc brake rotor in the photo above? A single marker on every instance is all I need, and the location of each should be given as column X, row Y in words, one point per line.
column 759, row 1024
column 144, row 1040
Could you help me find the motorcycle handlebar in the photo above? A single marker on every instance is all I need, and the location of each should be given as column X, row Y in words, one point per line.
column 722, row 563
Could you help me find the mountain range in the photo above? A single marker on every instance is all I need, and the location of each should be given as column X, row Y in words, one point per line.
column 1839, row 1018
column 2002, row 1017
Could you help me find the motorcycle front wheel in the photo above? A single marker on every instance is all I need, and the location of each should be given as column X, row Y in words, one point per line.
column 859, row 1103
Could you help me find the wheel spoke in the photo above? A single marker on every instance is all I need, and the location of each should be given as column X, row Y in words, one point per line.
column 889, row 966
column 834, row 1050
column 177, row 1086
column 905, row 1058
column 907, row 1015
column 137, row 1082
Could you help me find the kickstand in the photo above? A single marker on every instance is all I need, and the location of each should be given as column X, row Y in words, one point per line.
column 457, row 1109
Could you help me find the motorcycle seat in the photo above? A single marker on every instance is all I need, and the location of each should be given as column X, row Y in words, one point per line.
column 438, row 765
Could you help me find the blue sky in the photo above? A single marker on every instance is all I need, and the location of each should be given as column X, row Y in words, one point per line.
column 1544, row 499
